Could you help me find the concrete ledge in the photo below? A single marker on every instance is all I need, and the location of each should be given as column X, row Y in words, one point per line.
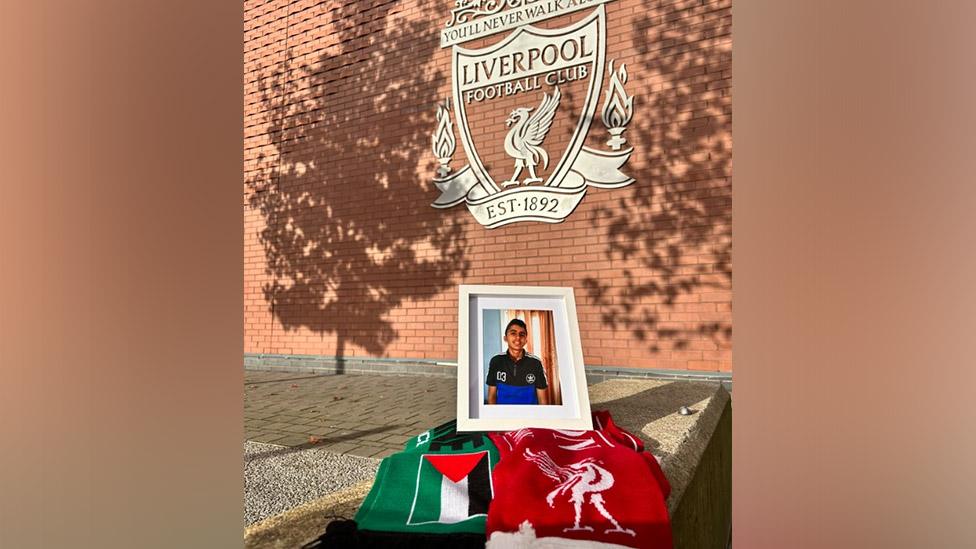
column 695, row 453
column 320, row 364
column 649, row 409
column 695, row 450
column 704, row 515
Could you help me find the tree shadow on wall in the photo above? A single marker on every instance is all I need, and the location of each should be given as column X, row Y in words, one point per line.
column 676, row 222
column 348, row 233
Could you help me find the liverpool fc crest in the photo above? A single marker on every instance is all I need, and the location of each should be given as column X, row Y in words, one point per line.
column 524, row 107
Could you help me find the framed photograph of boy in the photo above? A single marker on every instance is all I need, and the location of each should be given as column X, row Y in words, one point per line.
column 520, row 363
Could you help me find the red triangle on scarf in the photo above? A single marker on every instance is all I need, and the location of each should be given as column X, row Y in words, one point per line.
column 455, row 466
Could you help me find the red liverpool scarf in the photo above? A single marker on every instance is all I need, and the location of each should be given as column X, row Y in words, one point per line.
column 595, row 485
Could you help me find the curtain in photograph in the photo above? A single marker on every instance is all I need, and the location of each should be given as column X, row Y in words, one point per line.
column 541, row 343
column 492, row 344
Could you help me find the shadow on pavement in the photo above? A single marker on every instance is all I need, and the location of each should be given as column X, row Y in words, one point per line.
column 322, row 441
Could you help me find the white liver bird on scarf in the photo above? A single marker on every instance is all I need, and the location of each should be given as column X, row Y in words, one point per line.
column 524, row 140
column 577, row 481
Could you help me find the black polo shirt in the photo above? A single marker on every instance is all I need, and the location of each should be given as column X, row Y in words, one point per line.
column 516, row 380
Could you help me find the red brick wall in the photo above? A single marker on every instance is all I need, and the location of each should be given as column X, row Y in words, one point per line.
column 344, row 255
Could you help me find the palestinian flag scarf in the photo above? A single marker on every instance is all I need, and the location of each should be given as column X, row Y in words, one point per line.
column 440, row 483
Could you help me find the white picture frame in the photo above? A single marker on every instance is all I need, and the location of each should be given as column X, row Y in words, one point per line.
column 553, row 326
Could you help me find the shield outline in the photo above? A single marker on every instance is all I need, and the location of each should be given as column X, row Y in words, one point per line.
column 589, row 105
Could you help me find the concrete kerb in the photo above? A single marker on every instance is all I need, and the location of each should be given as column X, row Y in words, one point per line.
column 304, row 523
column 325, row 365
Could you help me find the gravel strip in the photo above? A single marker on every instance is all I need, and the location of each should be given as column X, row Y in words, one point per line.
column 278, row 478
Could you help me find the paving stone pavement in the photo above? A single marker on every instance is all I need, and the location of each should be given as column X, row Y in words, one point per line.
column 362, row 415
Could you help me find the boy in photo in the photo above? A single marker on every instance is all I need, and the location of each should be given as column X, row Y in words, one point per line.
column 516, row 377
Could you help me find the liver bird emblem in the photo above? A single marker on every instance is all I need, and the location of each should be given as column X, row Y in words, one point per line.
column 524, row 140
column 577, row 480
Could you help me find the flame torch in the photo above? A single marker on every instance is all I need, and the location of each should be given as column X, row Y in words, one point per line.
column 442, row 141
column 618, row 108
